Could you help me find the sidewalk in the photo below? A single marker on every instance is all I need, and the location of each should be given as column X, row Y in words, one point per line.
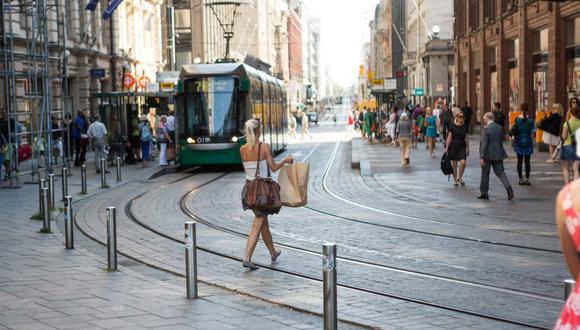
column 45, row 286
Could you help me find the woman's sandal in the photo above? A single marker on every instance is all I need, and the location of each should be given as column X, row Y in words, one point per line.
column 275, row 257
column 249, row 264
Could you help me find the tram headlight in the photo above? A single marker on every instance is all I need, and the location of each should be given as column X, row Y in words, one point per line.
column 190, row 140
column 234, row 139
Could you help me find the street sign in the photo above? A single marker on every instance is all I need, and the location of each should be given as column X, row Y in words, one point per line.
column 97, row 73
column 377, row 82
column 390, row 84
column 166, row 86
column 419, row 92
column 128, row 80
column 143, row 81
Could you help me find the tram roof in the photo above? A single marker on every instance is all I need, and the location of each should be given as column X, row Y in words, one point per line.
column 214, row 69
column 130, row 94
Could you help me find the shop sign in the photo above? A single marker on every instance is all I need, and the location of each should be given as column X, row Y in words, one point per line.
column 419, row 92
column 97, row 73
column 166, row 86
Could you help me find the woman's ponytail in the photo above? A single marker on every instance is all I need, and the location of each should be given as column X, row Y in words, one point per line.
column 251, row 129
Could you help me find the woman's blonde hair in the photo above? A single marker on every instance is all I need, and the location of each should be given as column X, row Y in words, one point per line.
column 252, row 130
column 559, row 107
column 429, row 111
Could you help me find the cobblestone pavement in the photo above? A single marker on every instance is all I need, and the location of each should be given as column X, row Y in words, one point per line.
column 399, row 221
column 45, row 286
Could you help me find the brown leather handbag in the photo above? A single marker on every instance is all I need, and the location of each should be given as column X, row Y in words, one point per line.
column 263, row 194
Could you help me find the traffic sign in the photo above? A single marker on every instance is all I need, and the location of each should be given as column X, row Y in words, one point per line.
column 128, row 80
column 143, row 81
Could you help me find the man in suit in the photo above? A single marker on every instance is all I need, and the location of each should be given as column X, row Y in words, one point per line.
column 492, row 154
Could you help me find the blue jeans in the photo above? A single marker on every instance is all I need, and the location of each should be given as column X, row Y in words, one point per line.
column 145, row 150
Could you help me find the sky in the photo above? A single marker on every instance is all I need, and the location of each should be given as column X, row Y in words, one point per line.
column 344, row 30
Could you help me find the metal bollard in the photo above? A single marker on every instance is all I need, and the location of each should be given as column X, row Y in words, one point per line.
column 64, row 183
column 118, row 169
column 45, row 211
column 112, row 238
column 329, row 285
column 83, row 179
column 41, row 184
column 568, row 287
column 103, row 173
column 68, row 223
column 51, row 198
column 190, row 260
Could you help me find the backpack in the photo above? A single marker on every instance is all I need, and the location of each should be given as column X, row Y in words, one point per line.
column 524, row 127
column 145, row 133
column 446, row 167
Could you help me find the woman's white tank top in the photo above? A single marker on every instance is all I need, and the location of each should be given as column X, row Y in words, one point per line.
column 250, row 169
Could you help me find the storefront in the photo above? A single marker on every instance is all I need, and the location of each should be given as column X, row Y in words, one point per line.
column 540, row 60
column 573, row 57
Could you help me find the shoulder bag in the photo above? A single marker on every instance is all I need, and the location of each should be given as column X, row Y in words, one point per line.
column 263, row 194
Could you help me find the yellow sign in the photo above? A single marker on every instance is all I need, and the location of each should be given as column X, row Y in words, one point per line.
column 377, row 82
column 370, row 75
column 166, row 86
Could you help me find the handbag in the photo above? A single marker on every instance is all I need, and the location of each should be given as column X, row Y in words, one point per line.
column 170, row 153
column 263, row 194
column 293, row 180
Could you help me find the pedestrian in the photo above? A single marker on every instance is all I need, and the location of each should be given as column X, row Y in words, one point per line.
column 457, row 148
column 145, row 139
column 551, row 125
column 163, row 139
column 498, row 116
column 98, row 133
column 81, row 139
column 304, row 126
column 361, row 120
column 491, row 155
column 521, row 132
column 421, row 128
column 467, row 113
column 445, row 120
column 414, row 134
column 68, row 141
column 115, row 139
column 171, row 125
column 430, row 131
column 391, row 126
column 568, row 224
column 403, row 131
column 135, row 141
column 292, row 126
column 257, row 158
column 570, row 160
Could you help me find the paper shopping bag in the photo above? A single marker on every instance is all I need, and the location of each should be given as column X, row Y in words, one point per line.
column 293, row 180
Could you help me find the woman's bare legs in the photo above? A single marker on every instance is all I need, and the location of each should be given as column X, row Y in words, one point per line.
column 454, row 165
column 267, row 237
column 461, row 170
column 254, row 236
column 566, row 171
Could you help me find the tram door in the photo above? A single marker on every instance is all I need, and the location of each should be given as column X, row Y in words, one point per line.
column 275, row 114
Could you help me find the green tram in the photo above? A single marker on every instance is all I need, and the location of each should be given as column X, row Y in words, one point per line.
column 213, row 103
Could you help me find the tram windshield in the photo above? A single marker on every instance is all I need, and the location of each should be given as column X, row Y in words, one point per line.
column 211, row 106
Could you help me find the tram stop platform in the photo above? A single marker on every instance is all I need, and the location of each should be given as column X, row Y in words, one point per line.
column 45, row 286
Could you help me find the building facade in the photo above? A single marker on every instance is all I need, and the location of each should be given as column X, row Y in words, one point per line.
column 516, row 51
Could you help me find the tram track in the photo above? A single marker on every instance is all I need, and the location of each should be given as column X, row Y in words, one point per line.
column 185, row 210
column 409, row 217
column 193, row 216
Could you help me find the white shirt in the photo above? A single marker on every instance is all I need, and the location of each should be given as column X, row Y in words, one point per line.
column 97, row 130
column 170, row 123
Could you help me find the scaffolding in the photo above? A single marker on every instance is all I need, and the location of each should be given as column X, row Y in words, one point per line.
column 33, row 78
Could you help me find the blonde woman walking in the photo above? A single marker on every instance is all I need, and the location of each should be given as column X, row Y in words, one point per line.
column 257, row 155
column 403, row 131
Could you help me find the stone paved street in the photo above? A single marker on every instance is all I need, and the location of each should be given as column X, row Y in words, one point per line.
column 45, row 286
column 394, row 238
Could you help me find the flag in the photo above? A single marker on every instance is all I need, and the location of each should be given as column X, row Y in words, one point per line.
column 92, row 5
column 111, row 8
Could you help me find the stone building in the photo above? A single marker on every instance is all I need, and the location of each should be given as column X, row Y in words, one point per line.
column 516, row 51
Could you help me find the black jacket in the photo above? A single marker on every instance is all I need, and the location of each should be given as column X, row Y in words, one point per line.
column 551, row 124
